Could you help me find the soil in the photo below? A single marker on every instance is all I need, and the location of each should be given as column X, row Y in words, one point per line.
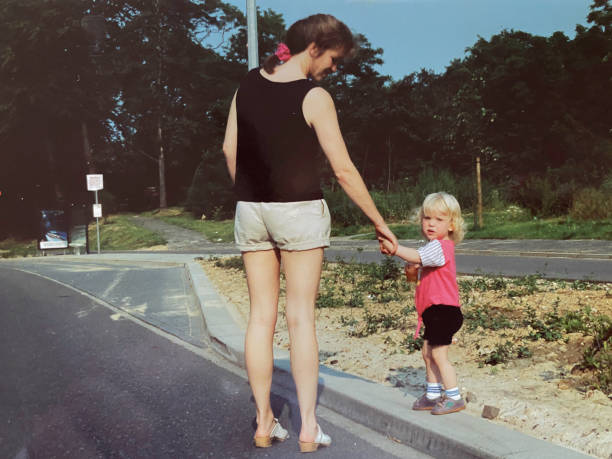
column 544, row 395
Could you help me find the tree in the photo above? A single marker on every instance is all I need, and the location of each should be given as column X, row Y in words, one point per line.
column 271, row 29
column 169, row 85
column 48, row 92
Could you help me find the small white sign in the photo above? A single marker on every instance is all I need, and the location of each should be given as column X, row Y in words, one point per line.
column 53, row 244
column 95, row 182
column 97, row 210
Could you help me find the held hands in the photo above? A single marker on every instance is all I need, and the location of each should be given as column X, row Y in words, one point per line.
column 386, row 239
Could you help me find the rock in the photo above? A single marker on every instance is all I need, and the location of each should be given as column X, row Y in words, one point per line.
column 470, row 397
column 490, row 412
column 563, row 385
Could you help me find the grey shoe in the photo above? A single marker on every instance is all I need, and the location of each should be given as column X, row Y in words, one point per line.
column 423, row 403
column 448, row 405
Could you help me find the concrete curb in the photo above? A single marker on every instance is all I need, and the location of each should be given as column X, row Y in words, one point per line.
column 380, row 408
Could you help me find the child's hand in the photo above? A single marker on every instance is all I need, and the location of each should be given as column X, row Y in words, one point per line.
column 412, row 271
column 386, row 246
column 384, row 234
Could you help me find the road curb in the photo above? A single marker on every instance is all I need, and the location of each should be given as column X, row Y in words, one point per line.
column 380, row 408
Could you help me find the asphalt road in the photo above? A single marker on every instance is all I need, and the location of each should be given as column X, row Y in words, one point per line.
column 81, row 379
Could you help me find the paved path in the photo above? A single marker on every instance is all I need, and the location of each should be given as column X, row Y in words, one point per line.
column 65, row 338
column 178, row 239
column 569, row 260
column 82, row 380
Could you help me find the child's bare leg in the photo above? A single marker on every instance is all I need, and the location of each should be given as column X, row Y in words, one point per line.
column 434, row 381
column 452, row 401
column 439, row 356
column 431, row 369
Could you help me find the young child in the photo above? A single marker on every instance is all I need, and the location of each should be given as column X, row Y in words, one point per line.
column 437, row 298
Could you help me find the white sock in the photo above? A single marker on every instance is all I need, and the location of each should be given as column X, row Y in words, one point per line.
column 453, row 393
column 434, row 390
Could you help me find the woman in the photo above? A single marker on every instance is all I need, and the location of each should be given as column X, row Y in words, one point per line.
column 277, row 120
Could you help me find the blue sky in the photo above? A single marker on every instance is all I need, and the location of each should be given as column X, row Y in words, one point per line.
column 416, row 34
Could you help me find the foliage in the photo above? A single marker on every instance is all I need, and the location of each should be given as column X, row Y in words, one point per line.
column 145, row 103
column 230, row 263
column 214, row 230
column 117, row 232
column 411, row 344
column 10, row 248
column 209, row 194
column 591, row 204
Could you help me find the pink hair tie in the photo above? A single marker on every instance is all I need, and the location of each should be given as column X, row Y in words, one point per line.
column 282, row 52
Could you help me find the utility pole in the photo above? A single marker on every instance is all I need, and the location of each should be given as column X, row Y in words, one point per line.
column 252, row 44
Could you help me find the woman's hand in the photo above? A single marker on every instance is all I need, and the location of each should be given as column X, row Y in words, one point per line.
column 386, row 239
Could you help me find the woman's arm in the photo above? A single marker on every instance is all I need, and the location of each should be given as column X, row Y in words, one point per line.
column 320, row 113
column 230, row 142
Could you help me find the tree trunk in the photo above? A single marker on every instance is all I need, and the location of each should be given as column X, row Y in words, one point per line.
column 52, row 171
column 478, row 212
column 388, row 164
column 89, row 163
column 163, row 203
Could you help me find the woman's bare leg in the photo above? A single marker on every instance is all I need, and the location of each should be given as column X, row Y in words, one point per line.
column 263, row 271
column 303, row 273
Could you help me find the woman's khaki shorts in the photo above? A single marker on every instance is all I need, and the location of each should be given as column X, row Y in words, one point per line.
column 300, row 225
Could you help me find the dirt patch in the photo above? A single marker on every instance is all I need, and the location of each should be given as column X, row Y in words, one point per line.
column 537, row 383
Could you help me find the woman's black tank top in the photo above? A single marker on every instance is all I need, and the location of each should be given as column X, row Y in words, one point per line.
column 277, row 156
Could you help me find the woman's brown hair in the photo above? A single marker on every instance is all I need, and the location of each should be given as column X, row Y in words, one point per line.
column 324, row 30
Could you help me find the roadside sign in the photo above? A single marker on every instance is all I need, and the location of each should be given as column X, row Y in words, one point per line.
column 97, row 210
column 95, row 182
column 53, row 230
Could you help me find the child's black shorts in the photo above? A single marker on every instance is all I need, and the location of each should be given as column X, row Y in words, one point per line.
column 441, row 323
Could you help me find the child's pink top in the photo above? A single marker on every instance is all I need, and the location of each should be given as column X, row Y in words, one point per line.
column 438, row 284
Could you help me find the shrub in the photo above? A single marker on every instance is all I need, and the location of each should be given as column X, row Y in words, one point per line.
column 545, row 196
column 210, row 194
column 591, row 204
column 342, row 209
column 230, row 263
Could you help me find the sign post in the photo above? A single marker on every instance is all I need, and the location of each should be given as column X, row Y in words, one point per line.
column 95, row 182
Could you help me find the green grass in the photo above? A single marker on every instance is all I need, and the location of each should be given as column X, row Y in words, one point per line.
column 10, row 248
column 118, row 233
column 214, row 230
column 549, row 228
column 498, row 226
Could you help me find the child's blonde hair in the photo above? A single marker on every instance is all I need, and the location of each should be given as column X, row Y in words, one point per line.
column 446, row 204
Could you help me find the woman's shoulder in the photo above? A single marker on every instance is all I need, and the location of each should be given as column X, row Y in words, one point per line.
column 318, row 96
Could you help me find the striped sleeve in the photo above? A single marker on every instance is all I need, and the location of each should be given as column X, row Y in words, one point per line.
column 432, row 254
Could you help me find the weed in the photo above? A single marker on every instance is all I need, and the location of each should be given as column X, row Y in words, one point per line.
column 411, row 344
column 348, row 321
column 372, row 323
column 482, row 284
column 486, row 318
column 230, row 263
column 501, row 354
column 548, row 329
column 598, row 357
column 523, row 352
column 328, row 298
